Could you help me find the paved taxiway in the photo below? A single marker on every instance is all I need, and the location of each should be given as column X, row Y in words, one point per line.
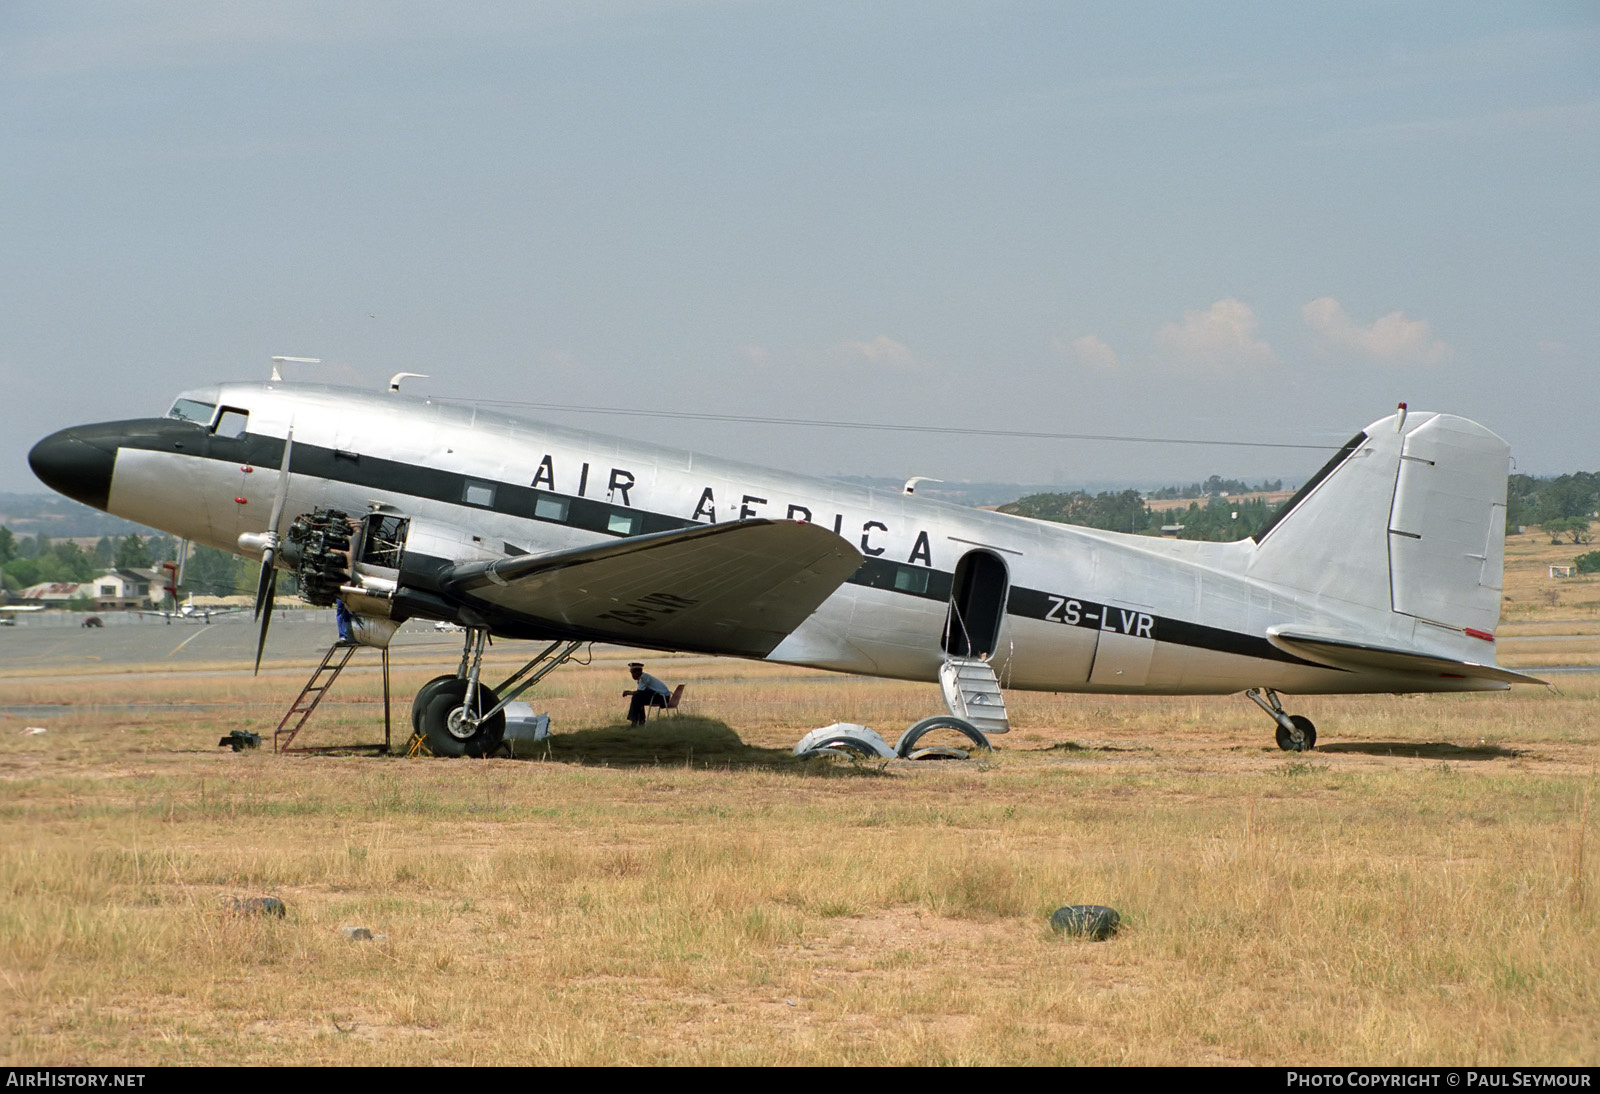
column 296, row 637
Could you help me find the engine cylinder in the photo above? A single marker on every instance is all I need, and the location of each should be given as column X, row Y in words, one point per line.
column 319, row 547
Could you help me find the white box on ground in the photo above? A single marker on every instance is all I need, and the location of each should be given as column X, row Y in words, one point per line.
column 524, row 727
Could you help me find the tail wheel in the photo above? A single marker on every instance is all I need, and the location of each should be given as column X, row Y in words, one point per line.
column 1308, row 733
column 450, row 732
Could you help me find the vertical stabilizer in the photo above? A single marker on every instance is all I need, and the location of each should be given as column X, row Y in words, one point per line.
column 1408, row 517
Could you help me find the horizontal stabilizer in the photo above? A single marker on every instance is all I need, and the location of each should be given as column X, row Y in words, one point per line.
column 1347, row 653
column 723, row 588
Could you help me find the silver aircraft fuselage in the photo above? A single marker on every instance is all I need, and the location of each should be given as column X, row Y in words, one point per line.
column 1058, row 608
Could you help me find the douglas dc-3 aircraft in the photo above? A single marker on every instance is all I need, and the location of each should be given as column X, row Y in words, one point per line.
column 1382, row 574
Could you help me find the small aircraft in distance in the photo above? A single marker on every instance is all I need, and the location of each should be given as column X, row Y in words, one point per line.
column 9, row 612
column 1382, row 574
column 191, row 612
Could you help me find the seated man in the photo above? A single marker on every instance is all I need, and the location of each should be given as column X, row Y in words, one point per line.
column 650, row 693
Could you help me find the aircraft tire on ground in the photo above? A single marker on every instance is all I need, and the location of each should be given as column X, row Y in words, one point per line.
column 839, row 746
column 1304, row 725
column 445, row 741
column 424, row 696
column 908, row 740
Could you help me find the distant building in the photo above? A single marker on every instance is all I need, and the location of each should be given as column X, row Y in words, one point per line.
column 125, row 590
column 52, row 594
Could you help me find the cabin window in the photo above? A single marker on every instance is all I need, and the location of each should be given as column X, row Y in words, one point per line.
column 548, row 508
column 232, row 422
column 191, row 410
column 623, row 524
column 911, row 579
column 479, row 493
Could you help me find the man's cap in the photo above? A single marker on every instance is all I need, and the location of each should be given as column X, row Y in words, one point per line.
column 636, row 664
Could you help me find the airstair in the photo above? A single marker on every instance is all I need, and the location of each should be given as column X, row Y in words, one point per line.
column 317, row 686
column 972, row 691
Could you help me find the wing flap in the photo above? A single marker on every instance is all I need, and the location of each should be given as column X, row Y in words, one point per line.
column 723, row 588
column 1348, row 653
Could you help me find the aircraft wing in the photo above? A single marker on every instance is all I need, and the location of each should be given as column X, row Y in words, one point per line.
column 1348, row 653
column 215, row 613
column 724, row 588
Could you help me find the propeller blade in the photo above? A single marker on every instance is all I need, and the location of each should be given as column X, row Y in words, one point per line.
column 268, row 584
column 282, row 494
column 269, row 577
column 265, row 583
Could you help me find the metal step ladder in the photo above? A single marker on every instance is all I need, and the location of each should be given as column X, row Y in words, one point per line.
column 972, row 691
column 322, row 678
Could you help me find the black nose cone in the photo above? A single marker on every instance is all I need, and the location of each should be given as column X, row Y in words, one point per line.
column 70, row 464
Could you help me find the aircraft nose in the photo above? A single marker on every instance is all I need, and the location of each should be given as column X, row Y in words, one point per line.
column 75, row 464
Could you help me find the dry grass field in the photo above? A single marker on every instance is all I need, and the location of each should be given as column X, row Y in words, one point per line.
column 1421, row 889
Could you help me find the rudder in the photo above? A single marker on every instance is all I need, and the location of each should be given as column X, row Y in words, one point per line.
column 1447, row 526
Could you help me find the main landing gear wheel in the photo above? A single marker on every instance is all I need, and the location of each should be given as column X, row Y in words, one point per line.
column 448, row 729
column 425, row 696
column 1308, row 734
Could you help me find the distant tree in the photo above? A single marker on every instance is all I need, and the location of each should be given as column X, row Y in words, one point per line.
column 52, row 568
column 79, row 566
column 211, row 572
column 24, row 571
column 1576, row 527
column 1536, row 501
column 104, row 555
column 1117, row 512
column 1566, row 496
column 1588, row 563
column 132, row 553
column 1521, row 491
column 8, row 545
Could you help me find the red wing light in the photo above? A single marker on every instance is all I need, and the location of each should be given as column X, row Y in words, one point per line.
column 1483, row 635
column 242, row 501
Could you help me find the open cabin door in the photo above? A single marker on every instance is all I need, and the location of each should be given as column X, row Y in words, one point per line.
column 971, row 638
column 977, row 605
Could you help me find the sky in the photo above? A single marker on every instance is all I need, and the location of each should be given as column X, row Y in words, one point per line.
column 1234, row 221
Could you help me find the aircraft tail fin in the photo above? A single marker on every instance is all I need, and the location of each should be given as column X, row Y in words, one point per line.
column 1409, row 516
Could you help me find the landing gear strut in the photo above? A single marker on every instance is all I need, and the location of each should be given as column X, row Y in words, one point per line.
column 1295, row 731
column 458, row 715
column 461, row 716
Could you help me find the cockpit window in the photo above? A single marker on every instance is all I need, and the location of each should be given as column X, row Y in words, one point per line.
column 190, row 410
column 232, row 423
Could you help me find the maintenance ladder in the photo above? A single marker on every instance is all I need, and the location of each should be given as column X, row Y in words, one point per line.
column 317, row 686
